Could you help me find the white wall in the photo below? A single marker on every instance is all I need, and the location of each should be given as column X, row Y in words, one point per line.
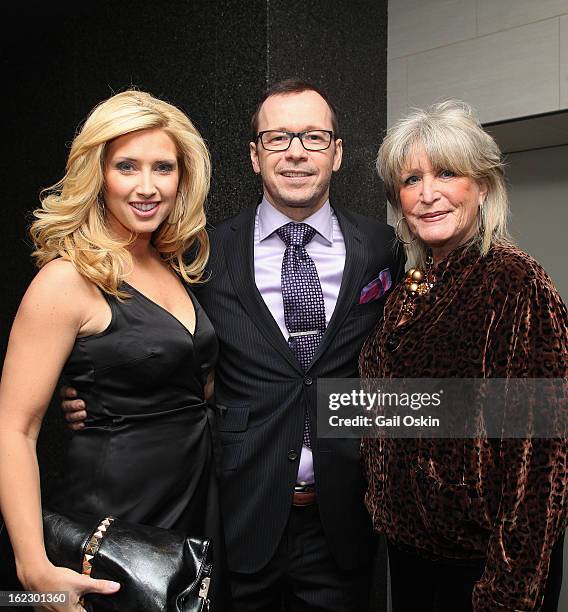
column 539, row 209
column 508, row 58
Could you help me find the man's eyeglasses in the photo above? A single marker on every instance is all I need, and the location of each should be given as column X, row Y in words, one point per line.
column 279, row 140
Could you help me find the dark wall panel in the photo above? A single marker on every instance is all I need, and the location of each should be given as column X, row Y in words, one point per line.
column 343, row 47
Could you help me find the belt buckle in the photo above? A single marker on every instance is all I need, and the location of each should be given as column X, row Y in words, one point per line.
column 304, row 495
column 303, row 488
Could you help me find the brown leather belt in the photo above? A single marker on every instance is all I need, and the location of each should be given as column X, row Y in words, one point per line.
column 304, row 496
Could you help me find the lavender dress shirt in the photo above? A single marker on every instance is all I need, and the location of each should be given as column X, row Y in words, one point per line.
column 327, row 250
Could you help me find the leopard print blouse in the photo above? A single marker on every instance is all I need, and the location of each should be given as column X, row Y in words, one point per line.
column 505, row 501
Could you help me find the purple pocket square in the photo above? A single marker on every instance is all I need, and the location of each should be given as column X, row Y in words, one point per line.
column 376, row 288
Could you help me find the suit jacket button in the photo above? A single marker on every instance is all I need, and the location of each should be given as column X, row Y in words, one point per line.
column 292, row 455
column 308, row 381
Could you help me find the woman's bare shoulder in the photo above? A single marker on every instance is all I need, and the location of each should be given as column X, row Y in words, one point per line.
column 60, row 286
column 61, row 273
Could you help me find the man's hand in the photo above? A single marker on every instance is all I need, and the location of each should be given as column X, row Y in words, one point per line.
column 74, row 410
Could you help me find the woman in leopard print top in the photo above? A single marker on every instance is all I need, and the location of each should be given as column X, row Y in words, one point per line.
column 472, row 524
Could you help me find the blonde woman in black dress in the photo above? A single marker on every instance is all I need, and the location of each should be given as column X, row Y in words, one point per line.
column 111, row 308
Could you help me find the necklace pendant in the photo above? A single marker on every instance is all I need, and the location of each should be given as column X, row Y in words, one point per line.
column 423, row 289
column 408, row 309
column 416, row 284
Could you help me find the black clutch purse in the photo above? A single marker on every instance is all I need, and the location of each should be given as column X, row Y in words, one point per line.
column 158, row 569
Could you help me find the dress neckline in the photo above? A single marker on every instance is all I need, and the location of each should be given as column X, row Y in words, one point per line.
column 172, row 316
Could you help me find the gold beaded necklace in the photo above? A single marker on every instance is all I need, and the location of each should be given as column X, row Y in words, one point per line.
column 417, row 283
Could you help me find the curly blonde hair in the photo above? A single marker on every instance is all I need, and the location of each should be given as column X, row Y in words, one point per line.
column 71, row 224
column 453, row 139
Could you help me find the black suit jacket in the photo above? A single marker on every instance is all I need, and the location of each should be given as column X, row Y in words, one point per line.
column 262, row 392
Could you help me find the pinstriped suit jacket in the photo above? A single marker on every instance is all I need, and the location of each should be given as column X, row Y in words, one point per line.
column 262, row 392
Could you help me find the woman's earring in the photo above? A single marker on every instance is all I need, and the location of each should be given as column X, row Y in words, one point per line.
column 399, row 235
column 480, row 218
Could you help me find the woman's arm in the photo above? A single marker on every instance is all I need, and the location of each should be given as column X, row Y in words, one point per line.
column 533, row 506
column 53, row 311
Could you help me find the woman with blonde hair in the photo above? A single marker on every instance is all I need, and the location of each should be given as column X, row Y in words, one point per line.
column 472, row 523
column 111, row 308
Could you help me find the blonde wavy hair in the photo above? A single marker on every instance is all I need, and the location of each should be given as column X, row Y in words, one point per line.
column 452, row 139
column 71, row 224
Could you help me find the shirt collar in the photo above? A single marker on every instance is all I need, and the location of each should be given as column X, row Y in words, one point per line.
column 270, row 219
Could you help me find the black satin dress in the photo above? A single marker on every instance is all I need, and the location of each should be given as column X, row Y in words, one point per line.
column 146, row 452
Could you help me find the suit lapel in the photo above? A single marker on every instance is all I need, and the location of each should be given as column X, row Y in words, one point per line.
column 356, row 254
column 239, row 257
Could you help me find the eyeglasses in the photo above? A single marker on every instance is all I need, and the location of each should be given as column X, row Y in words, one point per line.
column 280, row 140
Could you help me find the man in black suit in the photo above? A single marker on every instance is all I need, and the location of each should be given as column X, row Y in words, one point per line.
column 297, row 532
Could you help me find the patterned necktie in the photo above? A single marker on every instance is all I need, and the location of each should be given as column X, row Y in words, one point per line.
column 304, row 308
